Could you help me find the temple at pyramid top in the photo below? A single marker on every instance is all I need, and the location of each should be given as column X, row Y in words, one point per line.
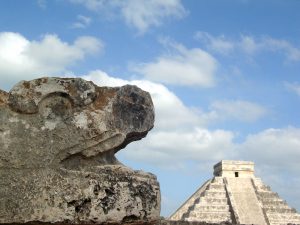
column 230, row 168
column 235, row 195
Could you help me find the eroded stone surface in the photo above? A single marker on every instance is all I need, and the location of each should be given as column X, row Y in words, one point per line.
column 58, row 138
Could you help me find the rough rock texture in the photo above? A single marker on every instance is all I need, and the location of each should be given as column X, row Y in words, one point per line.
column 58, row 138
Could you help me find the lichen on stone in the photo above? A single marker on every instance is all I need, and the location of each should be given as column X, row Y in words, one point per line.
column 58, row 139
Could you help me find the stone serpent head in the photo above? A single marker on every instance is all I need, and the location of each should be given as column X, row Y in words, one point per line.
column 70, row 122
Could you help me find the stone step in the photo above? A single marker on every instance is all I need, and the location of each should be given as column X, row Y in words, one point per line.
column 213, row 186
column 210, row 221
column 279, row 210
column 257, row 183
column 263, row 188
column 216, row 216
column 277, row 207
column 216, row 185
column 283, row 216
column 260, row 185
column 210, row 208
column 274, row 202
column 284, row 222
column 268, row 194
column 211, row 200
column 217, row 194
column 264, row 192
column 214, row 204
column 191, row 208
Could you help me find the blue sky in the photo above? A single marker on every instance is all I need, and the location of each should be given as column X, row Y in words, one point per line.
column 223, row 75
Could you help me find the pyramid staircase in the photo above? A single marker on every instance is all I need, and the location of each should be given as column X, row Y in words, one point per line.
column 244, row 201
column 277, row 210
column 236, row 196
column 209, row 203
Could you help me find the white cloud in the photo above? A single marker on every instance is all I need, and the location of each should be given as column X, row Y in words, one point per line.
column 249, row 45
column 103, row 79
column 224, row 45
column 143, row 14
column 294, row 87
column 139, row 14
column 95, row 5
column 82, row 22
column 276, row 148
column 244, row 111
column 183, row 67
column 21, row 58
column 219, row 44
column 42, row 4
column 176, row 148
column 291, row 52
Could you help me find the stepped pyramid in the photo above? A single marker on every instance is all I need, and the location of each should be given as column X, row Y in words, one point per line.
column 236, row 196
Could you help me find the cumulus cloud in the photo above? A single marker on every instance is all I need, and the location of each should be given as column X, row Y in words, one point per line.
column 174, row 149
column 244, row 111
column 82, row 22
column 143, row 14
column 138, row 14
column 294, row 87
column 22, row 59
column 249, row 45
column 278, row 148
column 181, row 66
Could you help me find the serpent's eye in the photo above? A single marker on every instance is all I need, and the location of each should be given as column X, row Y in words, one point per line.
column 56, row 106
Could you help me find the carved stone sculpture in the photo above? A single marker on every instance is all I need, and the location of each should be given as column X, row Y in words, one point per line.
column 58, row 138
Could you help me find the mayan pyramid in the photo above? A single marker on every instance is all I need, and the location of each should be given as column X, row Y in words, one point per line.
column 236, row 196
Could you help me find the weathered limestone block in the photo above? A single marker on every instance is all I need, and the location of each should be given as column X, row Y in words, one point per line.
column 58, row 138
